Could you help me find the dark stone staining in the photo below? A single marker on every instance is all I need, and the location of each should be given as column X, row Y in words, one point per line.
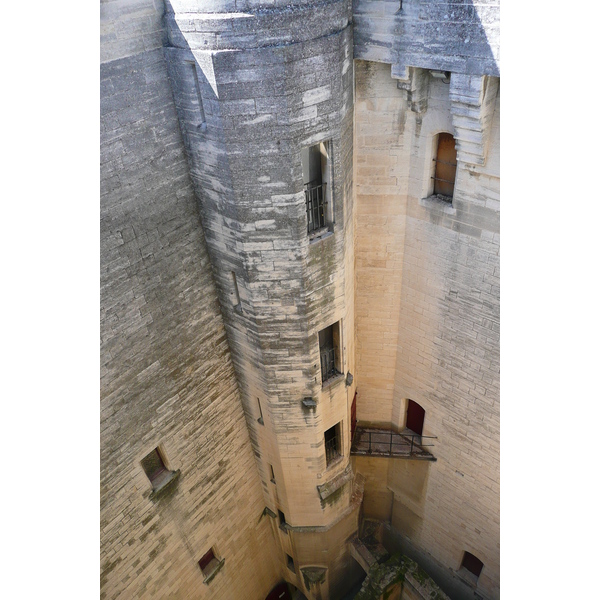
column 107, row 567
column 384, row 579
column 333, row 498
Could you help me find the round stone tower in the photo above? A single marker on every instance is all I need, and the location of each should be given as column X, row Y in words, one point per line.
column 264, row 96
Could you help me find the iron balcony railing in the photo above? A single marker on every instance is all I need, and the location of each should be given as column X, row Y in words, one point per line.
column 381, row 442
column 328, row 369
column 331, row 449
column 315, row 206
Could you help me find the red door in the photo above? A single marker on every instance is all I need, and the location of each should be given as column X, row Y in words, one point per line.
column 445, row 165
column 353, row 418
column 280, row 592
column 415, row 416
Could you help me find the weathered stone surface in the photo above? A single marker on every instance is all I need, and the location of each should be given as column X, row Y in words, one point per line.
column 197, row 318
column 401, row 578
column 167, row 377
column 458, row 36
column 427, row 317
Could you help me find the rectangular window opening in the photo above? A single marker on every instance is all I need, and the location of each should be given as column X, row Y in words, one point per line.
column 201, row 114
column 316, row 178
column 333, row 444
column 260, row 418
column 236, row 293
column 272, row 474
column 155, row 468
column 330, row 352
column 471, row 567
column 282, row 524
column 209, row 564
column 290, row 563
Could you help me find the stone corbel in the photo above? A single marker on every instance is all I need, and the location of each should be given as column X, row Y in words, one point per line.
column 416, row 84
column 313, row 575
column 473, row 99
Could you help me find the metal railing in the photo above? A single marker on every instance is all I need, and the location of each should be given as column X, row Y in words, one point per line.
column 331, row 449
column 328, row 364
column 315, row 206
column 390, row 443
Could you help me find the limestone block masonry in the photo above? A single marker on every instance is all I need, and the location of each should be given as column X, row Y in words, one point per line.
column 167, row 380
column 427, row 315
column 272, row 248
column 253, row 91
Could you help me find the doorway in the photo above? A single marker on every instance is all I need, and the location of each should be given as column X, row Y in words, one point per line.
column 280, row 592
column 415, row 416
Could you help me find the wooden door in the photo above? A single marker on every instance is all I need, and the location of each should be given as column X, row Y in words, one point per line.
column 445, row 166
column 415, row 415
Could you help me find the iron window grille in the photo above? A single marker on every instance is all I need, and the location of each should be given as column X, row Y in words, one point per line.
column 444, row 162
column 315, row 205
column 331, row 450
column 328, row 369
column 444, row 175
column 332, row 444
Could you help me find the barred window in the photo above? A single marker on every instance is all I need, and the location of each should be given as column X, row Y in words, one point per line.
column 316, row 178
column 333, row 443
column 330, row 352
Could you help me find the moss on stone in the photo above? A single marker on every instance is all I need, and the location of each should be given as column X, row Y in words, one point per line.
column 383, row 579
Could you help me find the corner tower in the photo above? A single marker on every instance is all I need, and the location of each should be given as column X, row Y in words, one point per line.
column 264, row 94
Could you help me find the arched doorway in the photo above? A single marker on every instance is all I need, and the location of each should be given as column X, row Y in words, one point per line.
column 445, row 165
column 415, row 416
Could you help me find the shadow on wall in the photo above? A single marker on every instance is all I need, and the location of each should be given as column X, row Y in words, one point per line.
column 458, row 37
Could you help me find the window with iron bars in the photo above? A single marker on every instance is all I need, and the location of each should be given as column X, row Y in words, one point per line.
column 332, row 444
column 315, row 205
column 316, row 178
column 329, row 350
column 328, row 363
column 444, row 174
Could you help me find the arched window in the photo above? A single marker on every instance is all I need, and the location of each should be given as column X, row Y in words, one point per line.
column 445, row 166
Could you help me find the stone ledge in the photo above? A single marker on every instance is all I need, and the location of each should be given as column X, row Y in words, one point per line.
column 319, row 236
column 336, row 483
column 214, row 571
column 332, row 381
column 437, row 202
column 165, row 485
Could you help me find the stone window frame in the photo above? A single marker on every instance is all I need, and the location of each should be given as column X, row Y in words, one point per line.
column 338, row 347
column 465, row 573
column 339, row 450
column 212, row 564
column 290, row 563
column 163, row 477
column 428, row 198
column 201, row 121
column 328, row 180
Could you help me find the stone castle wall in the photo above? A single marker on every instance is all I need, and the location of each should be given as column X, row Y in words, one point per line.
column 428, row 320
column 253, row 90
column 167, row 376
column 213, row 294
column 461, row 36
